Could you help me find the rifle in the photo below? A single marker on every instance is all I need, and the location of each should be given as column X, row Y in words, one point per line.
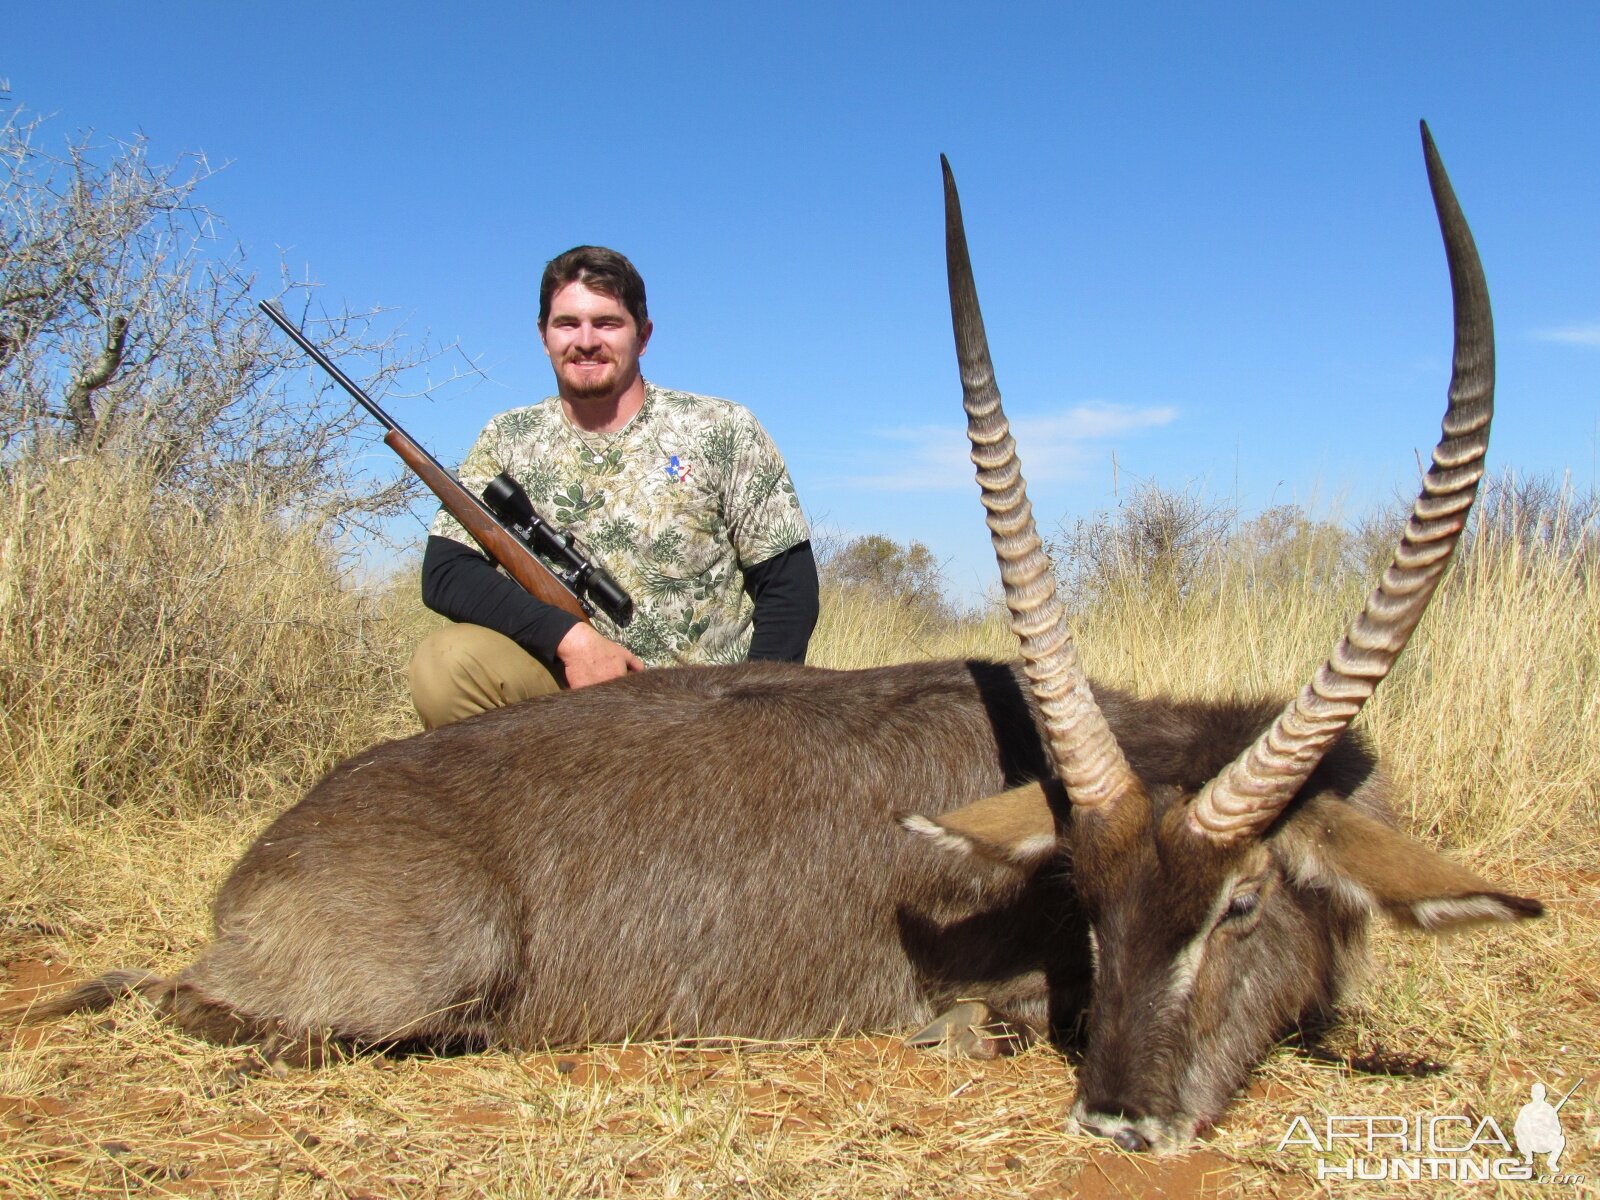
column 503, row 522
column 1568, row 1096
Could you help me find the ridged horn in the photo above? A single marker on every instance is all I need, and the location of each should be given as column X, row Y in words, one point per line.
column 1082, row 747
column 1252, row 790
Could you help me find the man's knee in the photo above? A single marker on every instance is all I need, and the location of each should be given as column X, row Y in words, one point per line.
column 462, row 670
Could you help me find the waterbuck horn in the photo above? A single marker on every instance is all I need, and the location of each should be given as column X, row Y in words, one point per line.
column 1082, row 747
column 1253, row 789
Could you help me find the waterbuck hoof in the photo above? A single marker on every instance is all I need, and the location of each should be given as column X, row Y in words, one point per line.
column 970, row 1030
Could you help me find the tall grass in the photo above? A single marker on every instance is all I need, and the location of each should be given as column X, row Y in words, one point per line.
column 859, row 627
column 162, row 662
column 156, row 652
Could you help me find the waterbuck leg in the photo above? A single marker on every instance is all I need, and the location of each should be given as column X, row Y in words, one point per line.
column 971, row 1029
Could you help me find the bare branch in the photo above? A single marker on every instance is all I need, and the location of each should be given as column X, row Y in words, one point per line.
column 80, row 405
column 128, row 326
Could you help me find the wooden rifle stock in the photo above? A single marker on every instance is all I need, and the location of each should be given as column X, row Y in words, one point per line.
column 498, row 542
column 504, row 547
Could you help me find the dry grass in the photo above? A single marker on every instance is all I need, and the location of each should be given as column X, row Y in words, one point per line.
column 161, row 662
column 1490, row 721
column 163, row 694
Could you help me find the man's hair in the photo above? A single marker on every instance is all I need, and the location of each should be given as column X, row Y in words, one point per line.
column 600, row 270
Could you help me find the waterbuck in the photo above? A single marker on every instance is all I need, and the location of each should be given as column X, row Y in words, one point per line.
column 715, row 852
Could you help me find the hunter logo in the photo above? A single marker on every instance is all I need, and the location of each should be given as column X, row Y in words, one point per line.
column 677, row 470
column 1433, row 1146
column 1538, row 1127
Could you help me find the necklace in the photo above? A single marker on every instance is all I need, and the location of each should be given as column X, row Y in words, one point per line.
column 598, row 447
column 593, row 451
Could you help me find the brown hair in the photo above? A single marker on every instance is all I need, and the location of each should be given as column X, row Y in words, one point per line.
column 602, row 270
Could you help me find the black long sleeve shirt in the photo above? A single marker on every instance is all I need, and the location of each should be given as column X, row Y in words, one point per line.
column 463, row 584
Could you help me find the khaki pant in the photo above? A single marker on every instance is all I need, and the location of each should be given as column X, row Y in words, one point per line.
column 462, row 670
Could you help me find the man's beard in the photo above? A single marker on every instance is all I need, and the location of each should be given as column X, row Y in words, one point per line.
column 585, row 386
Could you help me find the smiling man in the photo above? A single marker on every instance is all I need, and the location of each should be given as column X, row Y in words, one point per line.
column 684, row 499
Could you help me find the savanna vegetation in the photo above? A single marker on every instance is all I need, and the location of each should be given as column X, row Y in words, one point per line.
column 173, row 675
column 184, row 648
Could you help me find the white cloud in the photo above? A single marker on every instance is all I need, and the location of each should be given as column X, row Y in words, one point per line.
column 1052, row 447
column 1571, row 335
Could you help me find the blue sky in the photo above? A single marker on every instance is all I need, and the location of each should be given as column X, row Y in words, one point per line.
column 1202, row 233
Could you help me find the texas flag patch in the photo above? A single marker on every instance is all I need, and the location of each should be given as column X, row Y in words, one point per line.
column 677, row 469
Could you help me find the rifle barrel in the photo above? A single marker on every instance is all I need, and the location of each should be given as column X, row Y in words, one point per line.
column 1570, row 1090
column 281, row 319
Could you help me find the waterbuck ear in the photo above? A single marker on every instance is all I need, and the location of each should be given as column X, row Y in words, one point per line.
column 1014, row 827
column 1334, row 845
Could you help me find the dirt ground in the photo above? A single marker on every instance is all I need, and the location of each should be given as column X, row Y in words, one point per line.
column 118, row 1104
column 614, row 1121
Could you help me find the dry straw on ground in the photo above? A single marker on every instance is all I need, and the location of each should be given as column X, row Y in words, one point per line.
column 172, row 677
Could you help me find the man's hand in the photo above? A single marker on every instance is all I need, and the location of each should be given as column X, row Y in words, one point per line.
column 588, row 657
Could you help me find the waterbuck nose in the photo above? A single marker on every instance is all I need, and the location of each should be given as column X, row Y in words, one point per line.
column 1130, row 1139
column 1112, row 1127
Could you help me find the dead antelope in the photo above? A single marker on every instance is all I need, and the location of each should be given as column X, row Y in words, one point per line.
column 713, row 851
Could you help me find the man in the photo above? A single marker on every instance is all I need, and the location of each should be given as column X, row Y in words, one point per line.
column 684, row 499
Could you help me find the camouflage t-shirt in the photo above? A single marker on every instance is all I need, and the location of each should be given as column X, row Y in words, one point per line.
column 675, row 505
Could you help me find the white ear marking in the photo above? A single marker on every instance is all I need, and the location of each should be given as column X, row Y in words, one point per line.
column 1467, row 910
column 1351, row 893
column 937, row 833
column 1310, row 869
column 1038, row 846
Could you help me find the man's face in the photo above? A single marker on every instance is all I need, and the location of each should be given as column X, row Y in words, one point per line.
column 593, row 344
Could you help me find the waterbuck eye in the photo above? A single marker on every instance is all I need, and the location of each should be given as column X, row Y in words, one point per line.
column 1242, row 905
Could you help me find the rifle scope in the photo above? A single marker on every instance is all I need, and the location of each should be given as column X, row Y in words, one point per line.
column 508, row 501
